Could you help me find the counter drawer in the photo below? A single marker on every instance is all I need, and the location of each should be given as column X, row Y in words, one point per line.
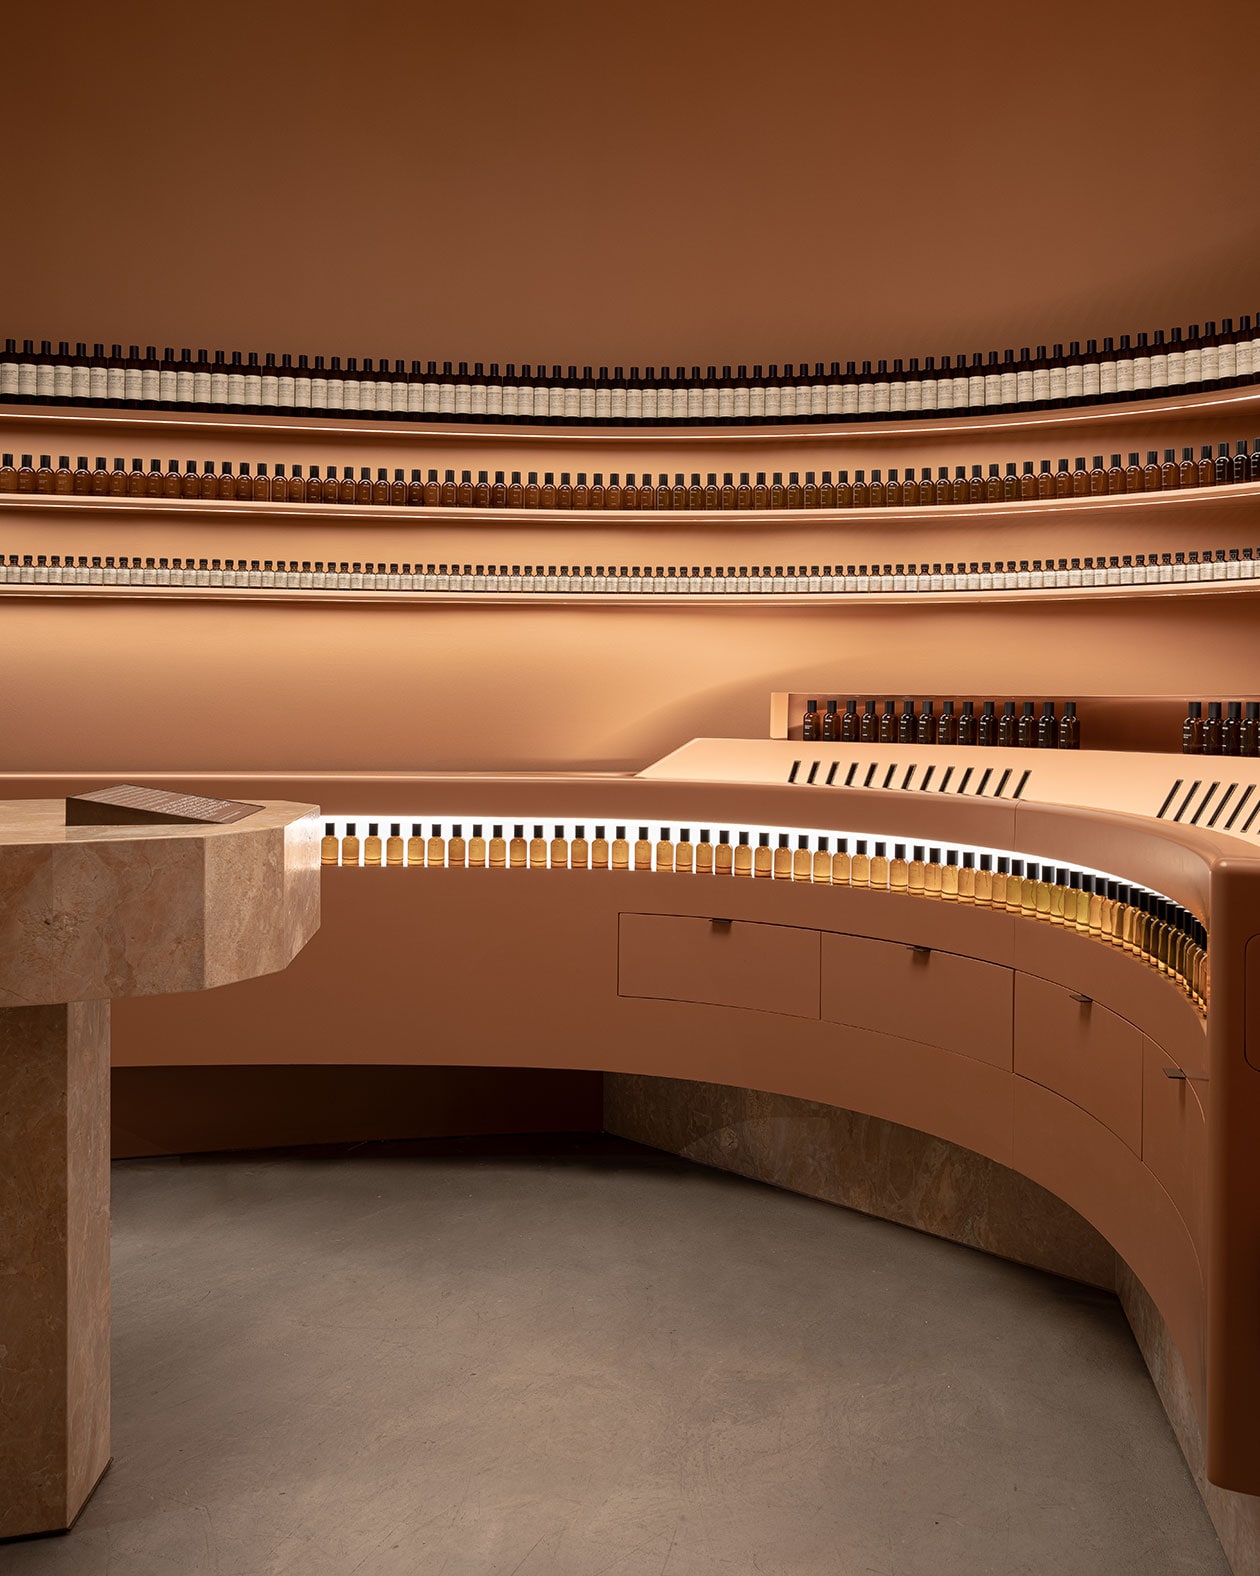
column 725, row 963
column 1083, row 1052
column 1174, row 1138
column 938, row 998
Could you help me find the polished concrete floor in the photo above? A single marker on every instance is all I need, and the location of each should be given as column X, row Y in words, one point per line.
column 596, row 1360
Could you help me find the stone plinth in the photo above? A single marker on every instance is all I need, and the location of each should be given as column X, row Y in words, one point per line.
column 88, row 913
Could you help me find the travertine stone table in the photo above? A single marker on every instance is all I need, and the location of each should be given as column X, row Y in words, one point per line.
column 88, row 913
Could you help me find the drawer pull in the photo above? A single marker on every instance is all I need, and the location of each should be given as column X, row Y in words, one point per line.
column 1175, row 1072
column 1085, row 1001
column 919, row 952
column 721, row 924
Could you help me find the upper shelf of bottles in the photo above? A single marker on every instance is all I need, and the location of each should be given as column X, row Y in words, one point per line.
column 1207, row 358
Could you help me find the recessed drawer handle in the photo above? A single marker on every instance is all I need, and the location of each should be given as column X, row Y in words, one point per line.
column 919, row 952
column 1085, row 1001
column 721, row 924
column 1175, row 1072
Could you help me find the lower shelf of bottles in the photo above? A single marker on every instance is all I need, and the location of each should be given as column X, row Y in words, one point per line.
column 1092, row 903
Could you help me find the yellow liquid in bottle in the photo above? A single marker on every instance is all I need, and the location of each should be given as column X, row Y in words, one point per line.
column 579, row 853
column 372, row 850
column 841, row 867
column 620, row 854
column 394, row 849
column 498, row 853
column 600, row 854
column 642, row 854
column 984, row 888
column 559, row 853
column 821, row 875
column 898, row 876
column 435, row 852
column 743, row 860
column 763, row 862
column 664, row 856
column 329, row 850
column 949, row 883
column 704, row 859
column 415, row 849
column 518, row 851
column 966, row 884
column 802, row 865
column 724, row 860
column 538, row 852
column 456, row 852
column 350, row 849
column 684, row 858
column 476, row 852
column 879, row 872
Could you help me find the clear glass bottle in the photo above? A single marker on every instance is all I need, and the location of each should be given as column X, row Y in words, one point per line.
column 329, row 847
column 350, row 845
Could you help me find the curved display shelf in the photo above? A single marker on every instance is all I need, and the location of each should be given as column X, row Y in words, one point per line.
column 808, row 392
column 1071, row 1061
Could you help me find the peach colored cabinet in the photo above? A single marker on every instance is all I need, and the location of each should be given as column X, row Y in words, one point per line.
column 1174, row 1136
column 917, row 993
column 720, row 962
column 1067, row 1042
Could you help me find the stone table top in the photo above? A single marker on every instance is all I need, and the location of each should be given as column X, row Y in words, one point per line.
column 90, row 912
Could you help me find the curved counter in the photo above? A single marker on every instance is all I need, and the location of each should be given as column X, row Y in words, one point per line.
column 1072, row 1061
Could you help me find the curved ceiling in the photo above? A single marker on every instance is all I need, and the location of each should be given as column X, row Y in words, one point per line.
column 668, row 181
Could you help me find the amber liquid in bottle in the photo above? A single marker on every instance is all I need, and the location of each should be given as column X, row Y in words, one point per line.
column 559, row 852
column 579, row 850
column 724, row 855
column 457, row 848
column 802, row 864
column 743, row 856
column 477, row 848
column 643, row 851
column 984, row 881
column 350, row 845
column 820, row 873
column 620, row 850
column 415, row 846
column 704, row 854
column 518, row 849
column 782, row 864
column 538, row 850
column 860, row 865
column 435, row 848
column 949, row 876
column 810, row 724
column 763, row 858
column 878, row 875
column 684, row 853
column 497, row 852
column 601, row 854
column 967, row 878
column 329, row 847
column 664, row 853
column 372, row 852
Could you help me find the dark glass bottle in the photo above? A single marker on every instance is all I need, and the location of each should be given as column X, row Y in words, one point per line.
column 967, row 723
column 987, row 728
column 1026, row 734
column 810, row 729
column 1008, row 726
column 849, row 723
column 925, row 729
column 1212, row 732
column 905, row 723
column 888, row 724
column 1231, row 729
column 830, row 724
column 1069, row 727
column 1250, row 735
column 868, row 731
column 1048, row 728
column 1192, row 732
column 947, row 727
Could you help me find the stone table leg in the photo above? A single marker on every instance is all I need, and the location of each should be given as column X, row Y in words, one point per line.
column 54, row 1262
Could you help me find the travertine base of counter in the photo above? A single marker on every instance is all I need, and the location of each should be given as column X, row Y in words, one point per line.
column 1236, row 1517
column 54, row 1262
column 862, row 1162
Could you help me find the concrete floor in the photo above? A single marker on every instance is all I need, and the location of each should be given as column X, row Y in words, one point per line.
column 593, row 1358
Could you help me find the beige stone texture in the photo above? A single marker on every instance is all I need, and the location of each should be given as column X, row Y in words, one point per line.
column 54, row 1262
column 92, row 912
column 862, row 1162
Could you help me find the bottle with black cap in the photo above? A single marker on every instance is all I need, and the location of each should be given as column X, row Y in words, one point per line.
column 947, row 726
column 1069, row 727
column 811, row 729
column 802, row 863
column 879, row 874
column 329, row 847
column 868, row 727
column 821, row 871
column 350, row 845
column 1047, row 727
column 925, row 728
column 1249, row 733
column 905, row 723
column 372, row 852
column 1008, row 726
column 830, row 724
column 1231, row 729
column 987, row 727
column 888, row 723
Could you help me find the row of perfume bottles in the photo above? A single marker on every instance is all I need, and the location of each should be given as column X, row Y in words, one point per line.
column 1210, row 356
column 255, row 482
column 635, row 579
column 1141, row 922
column 1230, row 733
column 1028, row 731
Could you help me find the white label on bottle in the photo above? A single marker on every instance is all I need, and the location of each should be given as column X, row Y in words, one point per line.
column 61, row 380
column 268, row 390
column 352, row 391
column 1058, row 383
column 511, row 400
column 913, row 395
column 1089, row 380
column 586, row 403
column 1193, row 371
column 477, row 399
column 168, row 386
column 1124, row 375
column 201, row 388
column 80, row 381
column 524, row 399
column 818, row 399
column 757, row 401
column 336, row 393
column 27, row 381
column 494, row 399
column 695, row 404
column 1243, row 361
column 403, row 391
column 9, row 377
column 603, row 402
column 897, row 395
column 446, row 398
column 1226, row 361
column 880, row 394
column 132, row 385
column 773, row 401
column 45, row 379
column 235, row 387
column 709, row 403
column 1141, row 372
column 430, row 399
column 1209, row 361
column 635, row 397
column 572, row 406
column 252, row 392
column 218, row 388
column 1176, row 368
column 835, row 399
column 975, row 392
column 463, row 399
column 865, row 398
column 991, row 389
column 319, row 393
column 1008, row 388
column 1106, row 378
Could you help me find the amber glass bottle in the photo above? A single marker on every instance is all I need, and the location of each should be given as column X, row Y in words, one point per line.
column 821, row 872
column 1008, row 727
column 878, row 874
column 477, row 848
column 811, row 729
column 723, row 855
column 620, row 850
column 372, row 851
column 841, row 863
column 329, row 847
column 905, row 723
column 600, row 851
column 860, row 864
column 888, row 723
column 830, row 724
column 781, row 867
column 802, row 863
column 1069, row 727
column 1026, row 733
column 947, row 727
column 868, row 731
column 350, row 845
column 743, row 856
column 559, row 851
column 704, row 854
column 925, row 730
column 1048, row 728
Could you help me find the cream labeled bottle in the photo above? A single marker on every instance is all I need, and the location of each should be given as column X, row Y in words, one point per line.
column 538, row 850
column 350, row 845
column 518, row 849
column 723, row 855
column 601, row 854
column 329, row 847
column 372, row 852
